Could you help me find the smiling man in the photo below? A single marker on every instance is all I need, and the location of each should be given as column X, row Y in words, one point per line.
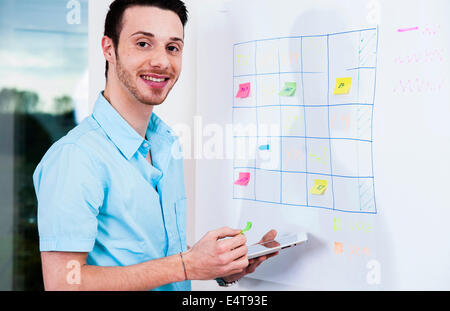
column 111, row 197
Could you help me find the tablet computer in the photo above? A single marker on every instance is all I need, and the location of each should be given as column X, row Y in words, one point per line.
column 283, row 242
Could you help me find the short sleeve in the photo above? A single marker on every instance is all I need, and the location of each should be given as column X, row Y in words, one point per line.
column 69, row 193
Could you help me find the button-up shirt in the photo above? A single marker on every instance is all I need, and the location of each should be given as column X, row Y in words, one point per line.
column 97, row 193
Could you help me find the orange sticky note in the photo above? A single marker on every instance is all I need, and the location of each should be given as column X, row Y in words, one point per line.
column 243, row 179
column 244, row 90
column 338, row 248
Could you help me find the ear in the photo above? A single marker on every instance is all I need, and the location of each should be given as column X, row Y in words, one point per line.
column 108, row 50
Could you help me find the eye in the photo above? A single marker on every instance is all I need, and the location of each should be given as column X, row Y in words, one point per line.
column 143, row 44
column 173, row 48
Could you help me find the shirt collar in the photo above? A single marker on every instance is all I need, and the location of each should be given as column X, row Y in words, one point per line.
column 127, row 140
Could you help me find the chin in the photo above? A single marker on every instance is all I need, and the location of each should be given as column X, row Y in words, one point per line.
column 152, row 97
column 151, row 100
column 147, row 97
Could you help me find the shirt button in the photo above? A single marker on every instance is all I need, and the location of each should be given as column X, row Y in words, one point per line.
column 145, row 145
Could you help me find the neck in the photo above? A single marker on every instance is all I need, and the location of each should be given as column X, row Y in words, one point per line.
column 134, row 112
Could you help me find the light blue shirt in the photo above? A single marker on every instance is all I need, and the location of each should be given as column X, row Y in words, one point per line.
column 97, row 193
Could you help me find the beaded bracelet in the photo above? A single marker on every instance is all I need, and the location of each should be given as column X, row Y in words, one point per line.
column 184, row 266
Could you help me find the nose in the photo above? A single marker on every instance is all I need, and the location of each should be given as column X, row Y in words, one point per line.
column 159, row 58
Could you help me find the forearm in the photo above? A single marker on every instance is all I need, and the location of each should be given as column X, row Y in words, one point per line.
column 142, row 276
column 209, row 258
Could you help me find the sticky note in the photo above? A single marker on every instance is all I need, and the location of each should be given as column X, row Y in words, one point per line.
column 244, row 90
column 288, row 89
column 338, row 248
column 264, row 147
column 342, row 86
column 320, row 185
column 247, row 227
column 243, row 179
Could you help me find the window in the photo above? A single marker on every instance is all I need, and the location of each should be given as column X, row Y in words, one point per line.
column 43, row 94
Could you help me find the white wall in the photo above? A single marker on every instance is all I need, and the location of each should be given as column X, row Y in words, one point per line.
column 409, row 127
column 213, row 206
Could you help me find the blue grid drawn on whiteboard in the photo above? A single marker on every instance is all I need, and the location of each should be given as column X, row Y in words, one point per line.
column 313, row 134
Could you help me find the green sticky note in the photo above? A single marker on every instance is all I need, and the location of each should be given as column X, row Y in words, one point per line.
column 288, row 89
column 248, row 227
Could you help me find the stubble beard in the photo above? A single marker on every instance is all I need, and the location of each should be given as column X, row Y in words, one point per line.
column 126, row 78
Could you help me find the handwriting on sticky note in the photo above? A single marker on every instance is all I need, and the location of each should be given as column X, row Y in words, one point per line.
column 244, row 90
column 320, row 185
column 243, row 179
column 288, row 89
column 343, row 86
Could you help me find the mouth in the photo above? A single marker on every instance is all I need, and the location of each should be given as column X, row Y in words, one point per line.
column 155, row 81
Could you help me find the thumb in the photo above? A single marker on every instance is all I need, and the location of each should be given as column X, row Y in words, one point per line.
column 269, row 236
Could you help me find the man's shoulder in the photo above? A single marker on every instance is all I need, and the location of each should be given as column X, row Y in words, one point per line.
column 83, row 138
column 77, row 154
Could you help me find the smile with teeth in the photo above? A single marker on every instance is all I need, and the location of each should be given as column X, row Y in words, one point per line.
column 148, row 78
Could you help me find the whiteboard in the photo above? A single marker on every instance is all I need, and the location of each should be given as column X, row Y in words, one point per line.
column 382, row 147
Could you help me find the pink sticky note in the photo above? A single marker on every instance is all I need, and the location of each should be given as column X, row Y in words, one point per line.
column 244, row 90
column 243, row 179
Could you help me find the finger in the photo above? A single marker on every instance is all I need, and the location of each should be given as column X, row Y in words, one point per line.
column 225, row 232
column 233, row 242
column 263, row 257
column 251, row 268
column 272, row 255
column 239, row 264
column 260, row 260
column 236, row 254
column 269, row 236
column 236, row 269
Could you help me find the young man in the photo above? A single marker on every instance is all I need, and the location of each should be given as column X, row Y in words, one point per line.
column 111, row 197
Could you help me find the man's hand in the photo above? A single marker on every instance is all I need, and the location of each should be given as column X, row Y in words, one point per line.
column 211, row 257
column 255, row 262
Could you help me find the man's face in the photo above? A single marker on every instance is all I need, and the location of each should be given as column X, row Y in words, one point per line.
column 148, row 59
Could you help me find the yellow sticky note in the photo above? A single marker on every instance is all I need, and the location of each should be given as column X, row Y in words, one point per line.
column 320, row 185
column 342, row 86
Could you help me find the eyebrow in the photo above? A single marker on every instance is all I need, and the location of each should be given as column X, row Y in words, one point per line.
column 149, row 34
